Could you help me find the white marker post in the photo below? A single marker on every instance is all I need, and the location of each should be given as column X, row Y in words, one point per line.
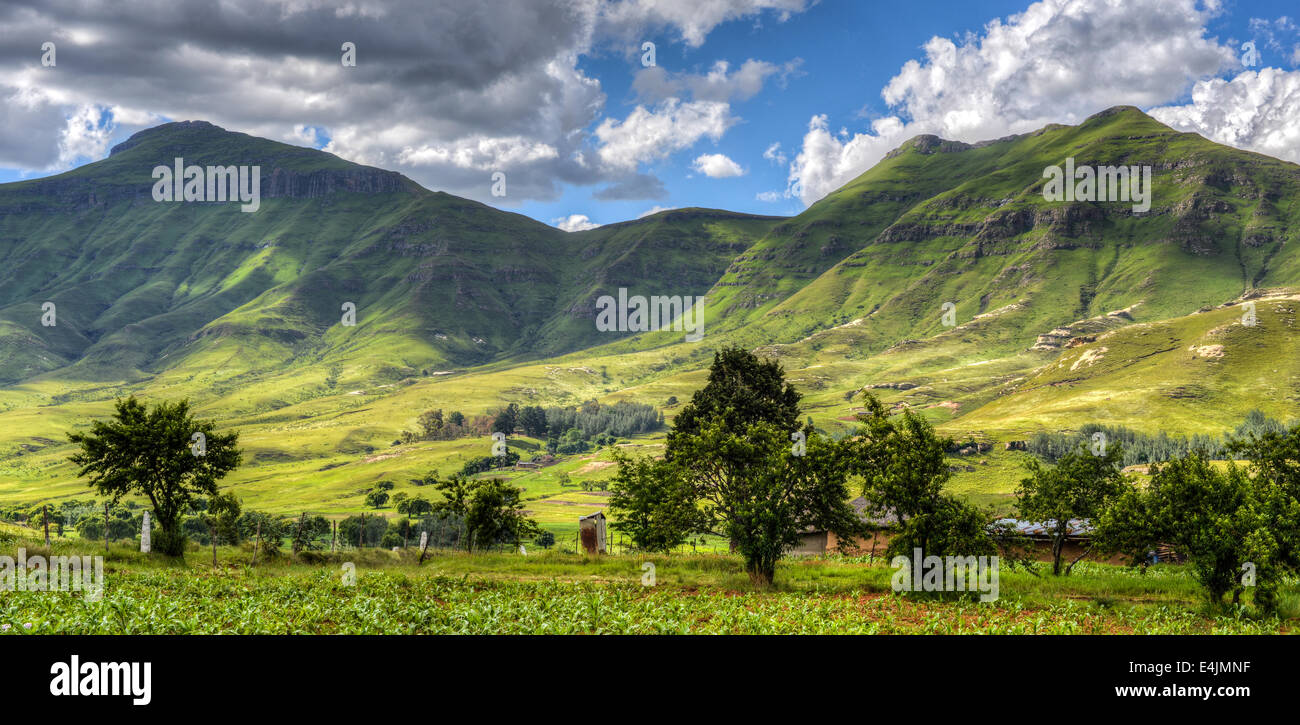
column 145, row 530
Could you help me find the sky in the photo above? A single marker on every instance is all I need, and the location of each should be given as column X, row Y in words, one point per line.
column 759, row 106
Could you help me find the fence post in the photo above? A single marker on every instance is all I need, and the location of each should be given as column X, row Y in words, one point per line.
column 257, row 542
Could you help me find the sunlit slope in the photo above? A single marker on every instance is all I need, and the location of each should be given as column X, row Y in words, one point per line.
column 1066, row 313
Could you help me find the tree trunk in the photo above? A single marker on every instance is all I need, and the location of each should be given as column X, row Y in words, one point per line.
column 760, row 573
column 105, row 527
column 45, row 514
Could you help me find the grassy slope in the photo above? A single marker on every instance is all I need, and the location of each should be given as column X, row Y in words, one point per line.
column 847, row 295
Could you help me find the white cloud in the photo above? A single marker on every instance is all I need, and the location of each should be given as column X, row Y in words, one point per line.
column 1255, row 111
column 574, row 223
column 717, row 166
column 85, row 135
column 694, row 19
column 771, row 196
column 1059, row 61
column 774, row 154
column 649, row 135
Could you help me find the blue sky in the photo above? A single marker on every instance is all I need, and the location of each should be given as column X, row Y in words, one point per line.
column 553, row 92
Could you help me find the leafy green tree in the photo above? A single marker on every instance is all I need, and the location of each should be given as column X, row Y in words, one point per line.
column 431, row 424
column 222, row 517
column 490, row 511
column 496, row 515
column 533, row 420
column 1080, row 486
column 903, row 468
column 1219, row 519
column 656, row 506
column 148, row 452
column 416, row 506
column 350, row 530
column 741, row 390
column 456, row 418
column 750, row 488
column 376, row 499
column 730, row 470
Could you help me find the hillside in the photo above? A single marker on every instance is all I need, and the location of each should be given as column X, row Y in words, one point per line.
column 1066, row 312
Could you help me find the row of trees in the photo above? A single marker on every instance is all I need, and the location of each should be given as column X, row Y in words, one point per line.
column 1139, row 448
column 738, row 465
column 588, row 421
column 1237, row 525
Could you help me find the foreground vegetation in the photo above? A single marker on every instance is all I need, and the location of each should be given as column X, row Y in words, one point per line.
column 558, row 593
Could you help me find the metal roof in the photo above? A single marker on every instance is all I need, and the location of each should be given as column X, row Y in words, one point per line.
column 1073, row 527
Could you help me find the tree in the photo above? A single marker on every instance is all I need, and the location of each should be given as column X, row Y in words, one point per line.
column 416, row 506
column 656, row 506
column 1080, row 486
column 222, row 515
column 741, row 390
column 456, row 418
column 533, row 420
column 730, row 470
column 496, row 515
column 1221, row 520
column 148, row 452
column 751, row 489
column 350, row 530
column 903, row 467
column 490, row 511
column 377, row 498
column 430, row 422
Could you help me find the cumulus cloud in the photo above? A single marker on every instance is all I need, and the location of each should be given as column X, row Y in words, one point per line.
column 574, row 223
column 444, row 91
column 1256, row 111
column 717, row 166
column 652, row 134
column 1059, row 61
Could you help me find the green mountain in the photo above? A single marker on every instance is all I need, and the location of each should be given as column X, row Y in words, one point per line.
column 1063, row 313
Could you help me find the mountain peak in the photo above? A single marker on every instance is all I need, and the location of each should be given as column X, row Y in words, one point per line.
column 167, row 129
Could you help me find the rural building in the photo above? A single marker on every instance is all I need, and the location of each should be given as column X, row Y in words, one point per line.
column 814, row 541
column 1036, row 540
column 591, row 532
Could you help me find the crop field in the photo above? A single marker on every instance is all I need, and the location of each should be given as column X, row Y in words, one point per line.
column 563, row 593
